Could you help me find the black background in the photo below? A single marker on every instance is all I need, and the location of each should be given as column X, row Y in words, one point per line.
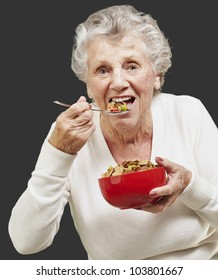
column 36, row 43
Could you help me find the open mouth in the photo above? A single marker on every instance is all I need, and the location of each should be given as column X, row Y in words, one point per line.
column 127, row 100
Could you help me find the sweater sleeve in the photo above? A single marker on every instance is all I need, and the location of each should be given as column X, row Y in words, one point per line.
column 201, row 194
column 36, row 216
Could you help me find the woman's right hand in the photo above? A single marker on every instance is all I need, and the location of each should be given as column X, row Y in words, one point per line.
column 73, row 127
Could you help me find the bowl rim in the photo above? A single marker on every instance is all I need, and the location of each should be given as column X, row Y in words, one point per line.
column 134, row 172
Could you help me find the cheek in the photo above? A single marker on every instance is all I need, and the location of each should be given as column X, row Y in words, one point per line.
column 149, row 81
column 146, row 88
column 96, row 90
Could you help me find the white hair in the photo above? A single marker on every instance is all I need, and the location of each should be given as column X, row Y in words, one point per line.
column 114, row 23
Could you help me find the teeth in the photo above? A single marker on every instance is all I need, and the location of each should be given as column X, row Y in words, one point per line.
column 121, row 99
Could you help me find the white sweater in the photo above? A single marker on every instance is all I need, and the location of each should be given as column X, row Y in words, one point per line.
column 184, row 133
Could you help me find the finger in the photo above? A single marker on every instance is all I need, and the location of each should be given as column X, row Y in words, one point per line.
column 86, row 131
column 167, row 164
column 80, row 137
column 161, row 205
column 157, row 207
column 83, row 120
column 81, row 99
column 77, row 109
column 162, row 191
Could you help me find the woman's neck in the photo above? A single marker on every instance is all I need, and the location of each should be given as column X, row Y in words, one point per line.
column 130, row 144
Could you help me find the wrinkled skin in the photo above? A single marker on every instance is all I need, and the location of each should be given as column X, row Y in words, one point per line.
column 116, row 71
column 73, row 127
column 178, row 178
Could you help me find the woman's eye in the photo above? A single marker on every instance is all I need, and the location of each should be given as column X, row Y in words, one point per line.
column 132, row 67
column 102, row 71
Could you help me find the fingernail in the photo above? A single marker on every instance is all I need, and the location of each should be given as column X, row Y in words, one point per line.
column 153, row 194
column 159, row 159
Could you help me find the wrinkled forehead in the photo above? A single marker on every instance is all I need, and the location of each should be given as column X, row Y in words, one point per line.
column 125, row 42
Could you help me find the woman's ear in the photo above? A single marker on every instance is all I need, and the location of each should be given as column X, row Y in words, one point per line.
column 157, row 83
column 88, row 93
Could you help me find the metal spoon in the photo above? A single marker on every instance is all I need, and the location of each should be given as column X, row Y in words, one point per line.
column 95, row 109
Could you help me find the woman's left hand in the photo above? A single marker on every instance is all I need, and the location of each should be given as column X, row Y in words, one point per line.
column 178, row 179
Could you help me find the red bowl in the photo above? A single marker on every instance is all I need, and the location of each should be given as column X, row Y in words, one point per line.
column 131, row 190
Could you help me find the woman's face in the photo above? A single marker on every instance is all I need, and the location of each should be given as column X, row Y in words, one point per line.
column 121, row 71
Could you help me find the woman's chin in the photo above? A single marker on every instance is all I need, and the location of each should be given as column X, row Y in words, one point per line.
column 126, row 123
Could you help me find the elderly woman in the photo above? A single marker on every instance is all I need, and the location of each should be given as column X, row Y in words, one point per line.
column 122, row 56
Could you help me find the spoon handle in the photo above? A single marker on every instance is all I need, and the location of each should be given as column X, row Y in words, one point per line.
column 68, row 105
column 62, row 103
column 93, row 109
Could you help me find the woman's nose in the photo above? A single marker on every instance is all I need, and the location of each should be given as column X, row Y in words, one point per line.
column 118, row 79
